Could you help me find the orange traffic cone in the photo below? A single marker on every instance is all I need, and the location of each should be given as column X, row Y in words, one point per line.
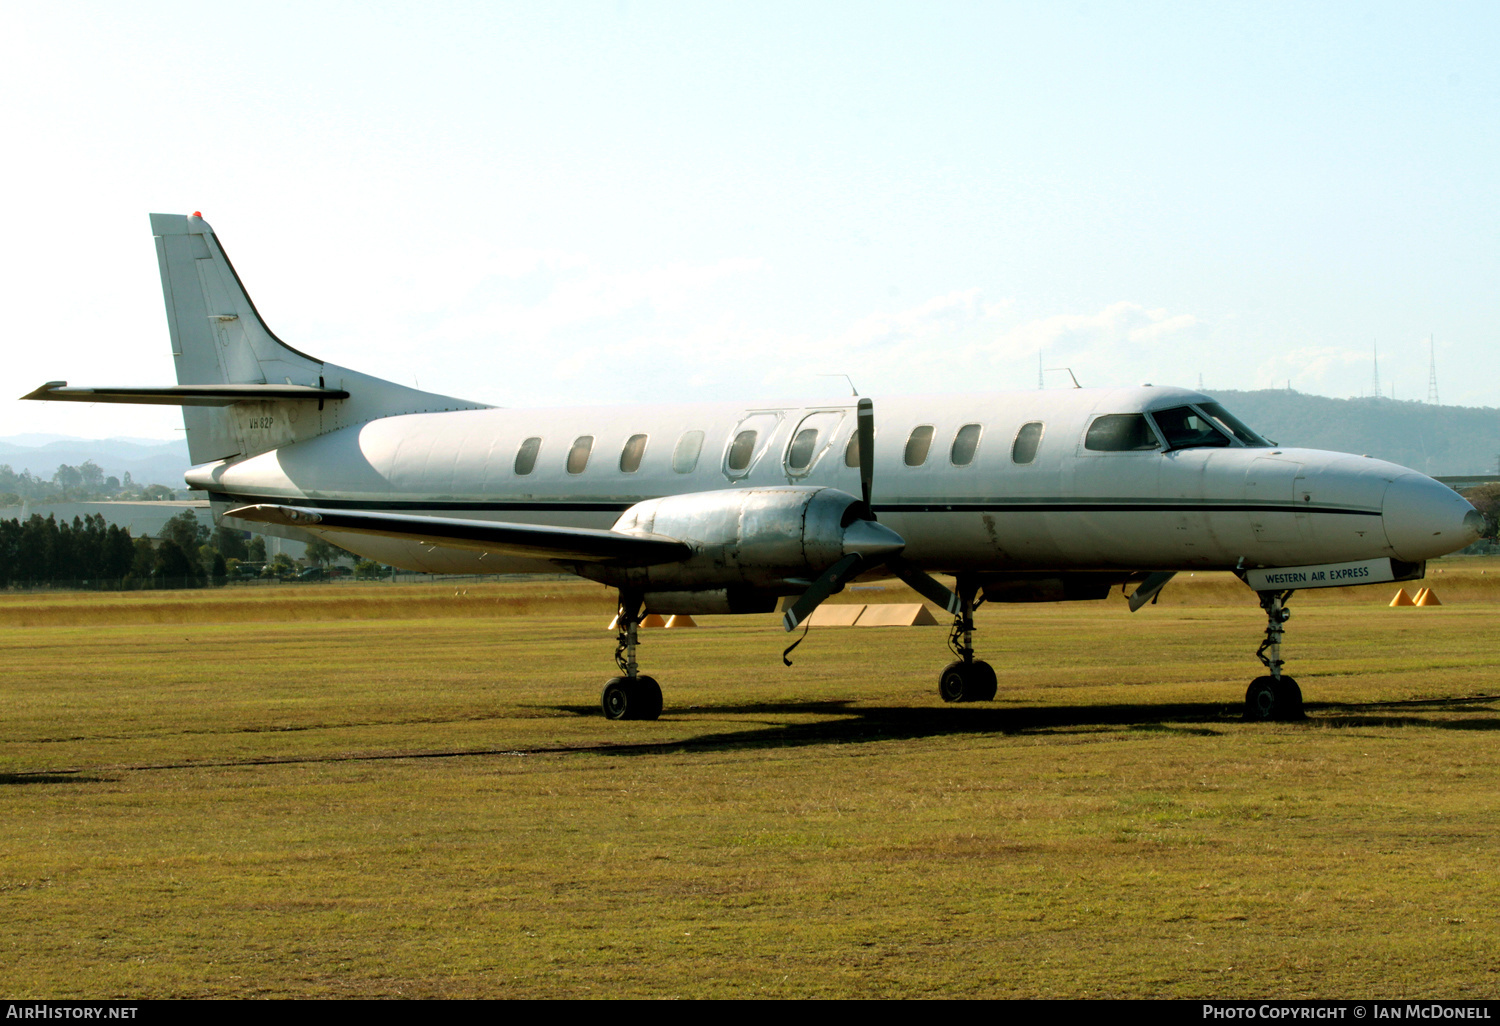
column 680, row 620
column 1402, row 599
column 1428, row 598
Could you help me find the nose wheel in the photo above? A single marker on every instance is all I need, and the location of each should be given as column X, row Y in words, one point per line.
column 1276, row 696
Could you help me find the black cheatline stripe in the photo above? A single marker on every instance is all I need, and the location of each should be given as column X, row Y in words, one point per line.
column 619, row 506
column 1113, row 507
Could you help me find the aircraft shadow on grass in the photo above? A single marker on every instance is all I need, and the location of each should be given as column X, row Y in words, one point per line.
column 856, row 725
column 50, row 778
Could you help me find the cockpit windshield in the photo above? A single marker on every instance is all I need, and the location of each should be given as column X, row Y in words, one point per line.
column 1185, row 428
column 1228, row 421
column 1206, row 425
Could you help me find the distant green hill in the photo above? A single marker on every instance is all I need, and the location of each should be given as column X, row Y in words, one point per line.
column 1433, row 439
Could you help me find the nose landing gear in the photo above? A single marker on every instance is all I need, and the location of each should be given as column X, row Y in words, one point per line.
column 632, row 696
column 968, row 679
column 1276, row 696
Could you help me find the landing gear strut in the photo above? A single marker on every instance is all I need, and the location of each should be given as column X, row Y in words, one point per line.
column 1277, row 696
column 967, row 679
column 632, row 696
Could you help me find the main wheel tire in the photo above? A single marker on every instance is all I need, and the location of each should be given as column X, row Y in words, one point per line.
column 648, row 698
column 625, row 698
column 983, row 678
column 616, row 699
column 1289, row 701
column 953, row 685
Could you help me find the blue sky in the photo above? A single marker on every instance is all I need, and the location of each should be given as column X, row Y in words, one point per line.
column 538, row 204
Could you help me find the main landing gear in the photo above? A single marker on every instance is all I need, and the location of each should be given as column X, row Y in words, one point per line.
column 632, row 696
column 967, row 679
column 1276, row 696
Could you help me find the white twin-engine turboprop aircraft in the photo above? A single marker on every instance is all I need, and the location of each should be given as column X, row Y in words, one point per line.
column 727, row 508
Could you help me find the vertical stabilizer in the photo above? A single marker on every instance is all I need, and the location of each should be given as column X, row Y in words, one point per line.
column 218, row 337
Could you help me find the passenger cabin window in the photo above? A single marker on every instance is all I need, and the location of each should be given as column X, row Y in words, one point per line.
column 851, row 451
column 1023, row 449
column 685, row 455
column 1120, row 432
column 741, row 451
column 1186, row 428
column 578, row 456
column 526, row 456
column 630, row 456
column 800, row 453
column 965, row 443
column 918, row 444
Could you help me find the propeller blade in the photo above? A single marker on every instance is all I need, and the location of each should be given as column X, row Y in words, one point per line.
column 926, row 585
column 830, row 581
column 1150, row 588
column 866, row 427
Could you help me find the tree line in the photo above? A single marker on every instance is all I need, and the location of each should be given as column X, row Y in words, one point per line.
column 85, row 483
column 92, row 553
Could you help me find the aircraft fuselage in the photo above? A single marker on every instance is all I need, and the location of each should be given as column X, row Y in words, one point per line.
column 977, row 499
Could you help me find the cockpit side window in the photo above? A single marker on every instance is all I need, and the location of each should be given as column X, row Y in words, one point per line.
column 1120, row 432
column 1234, row 426
column 1186, row 428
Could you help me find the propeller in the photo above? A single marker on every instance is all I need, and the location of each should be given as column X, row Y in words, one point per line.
column 867, row 544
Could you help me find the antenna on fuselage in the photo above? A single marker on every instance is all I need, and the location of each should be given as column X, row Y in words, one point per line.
column 852, row 389
column 1070, row 374
column 1432, row 392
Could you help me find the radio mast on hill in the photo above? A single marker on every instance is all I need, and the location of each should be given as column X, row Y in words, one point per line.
column 1375, row 380
column 1432, row 395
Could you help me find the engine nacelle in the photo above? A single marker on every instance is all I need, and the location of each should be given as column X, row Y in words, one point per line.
column 750, row 545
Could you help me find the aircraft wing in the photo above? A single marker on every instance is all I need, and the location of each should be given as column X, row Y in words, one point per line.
column 564, row 544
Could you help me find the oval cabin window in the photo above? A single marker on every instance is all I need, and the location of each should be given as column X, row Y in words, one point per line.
column 742, row 449
column 851, row 451
column 526, row 456
column 685, row 455
column 630, row 456
column 578, row 456
column 965, row 444
column 917, row 445
column 1027, row 439
column 799, row 455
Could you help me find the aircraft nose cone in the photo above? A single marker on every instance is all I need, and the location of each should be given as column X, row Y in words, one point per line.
column 871, row 540
column 1425, row 519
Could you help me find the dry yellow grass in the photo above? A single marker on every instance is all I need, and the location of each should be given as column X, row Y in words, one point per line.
column 430, row 804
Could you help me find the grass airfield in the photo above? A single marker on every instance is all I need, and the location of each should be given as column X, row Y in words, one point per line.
column 409, row 791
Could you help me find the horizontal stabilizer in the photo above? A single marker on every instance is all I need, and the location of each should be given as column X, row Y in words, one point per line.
column 185, row 395
column 563, row 544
